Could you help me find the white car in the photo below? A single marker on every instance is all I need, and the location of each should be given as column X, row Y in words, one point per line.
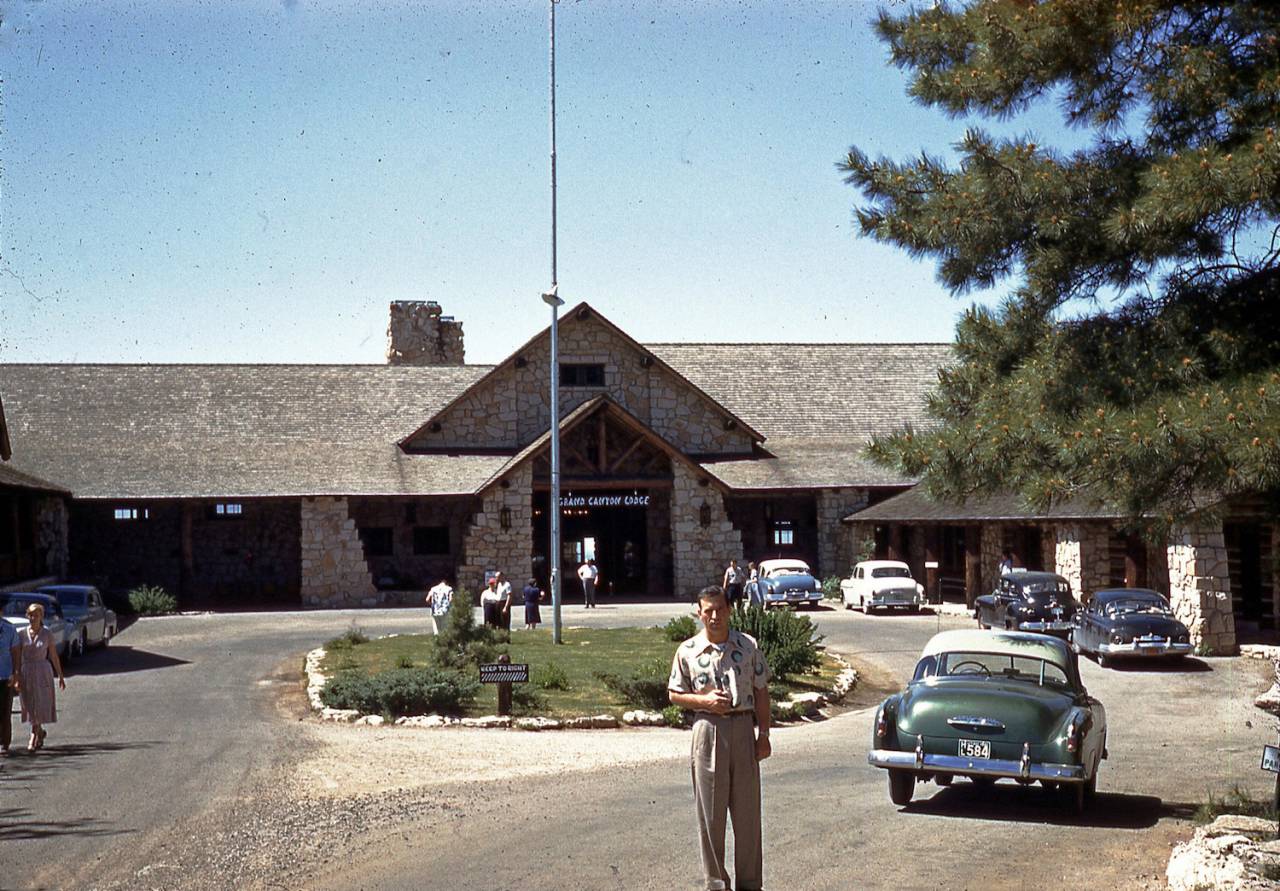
column 881, row 584
column 82, row 604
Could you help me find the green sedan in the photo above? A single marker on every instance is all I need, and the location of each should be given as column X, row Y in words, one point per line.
column 989, row 705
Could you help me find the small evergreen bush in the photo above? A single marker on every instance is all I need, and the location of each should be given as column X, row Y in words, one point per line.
column 674, row 715
column 526, row 700
column 352, row 637
column 462, row 644
column 680, row 629
column 645, row 688
column 788, row 640
column 831, row 587
column 152, row 600
column 550, row 677
column 401, row 691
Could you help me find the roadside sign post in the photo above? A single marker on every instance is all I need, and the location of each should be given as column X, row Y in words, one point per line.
column 504, row 673
column 1271, row 762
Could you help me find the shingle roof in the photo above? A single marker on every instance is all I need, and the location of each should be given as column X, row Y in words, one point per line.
column 156, row 431
column 916, row 506
column 842, row 391
column 12, row 477
column 167, row 431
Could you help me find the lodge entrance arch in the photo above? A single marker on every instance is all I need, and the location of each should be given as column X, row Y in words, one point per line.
column 615, row 498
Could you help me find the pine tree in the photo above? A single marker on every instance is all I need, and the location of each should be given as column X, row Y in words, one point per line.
column 1161, row 395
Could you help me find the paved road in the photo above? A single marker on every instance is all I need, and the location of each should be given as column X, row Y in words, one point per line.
column 168, row 736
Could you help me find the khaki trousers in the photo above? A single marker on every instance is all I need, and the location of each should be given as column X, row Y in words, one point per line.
column 726, row 783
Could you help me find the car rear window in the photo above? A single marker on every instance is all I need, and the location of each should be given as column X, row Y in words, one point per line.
column 998, row 666
column 891, row 572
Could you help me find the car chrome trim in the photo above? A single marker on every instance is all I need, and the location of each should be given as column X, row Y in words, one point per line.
column 987, row 767
column 919, row 750
column 970, row 721
column 1045, row 626
column 1145, row 648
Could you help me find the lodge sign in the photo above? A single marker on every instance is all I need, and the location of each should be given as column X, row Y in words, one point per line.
column 504, row 673
column 604, row 501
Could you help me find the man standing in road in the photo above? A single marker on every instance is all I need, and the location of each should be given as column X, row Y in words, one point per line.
column 439, row 598
column 722, row 677
column 8, row 683
column 589, row 575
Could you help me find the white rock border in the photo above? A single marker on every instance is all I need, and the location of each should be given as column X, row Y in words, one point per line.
column 1233, row 853
column 810, row 704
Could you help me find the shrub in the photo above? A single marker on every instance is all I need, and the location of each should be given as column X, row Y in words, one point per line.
column 526, row 700
column 404, row 661
column 645, row 688
column 550, row 677
column 680, row 629
column 788, row 640
column 831, row 587
column 785, row 711
column 401, row 691
column 462, row 644
column 352, row 637
column 674, row 715
column 152, row 600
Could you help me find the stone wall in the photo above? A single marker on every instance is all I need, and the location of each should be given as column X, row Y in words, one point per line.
column 334, row 572
column 419, row 335
column 701, row 552
column 1082, row 555
column 248, row 558
column 117, row 555
column 512, row 407
column 835, row 545
column 487, row 546
column 403, row 568
column 1199, row 585
column 52, row 528
column 992, row 545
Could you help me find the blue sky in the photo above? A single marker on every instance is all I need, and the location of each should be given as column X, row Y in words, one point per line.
column 255, row 181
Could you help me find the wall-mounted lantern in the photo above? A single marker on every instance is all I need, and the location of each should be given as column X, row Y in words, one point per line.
column 504, row 518
column 704, row 515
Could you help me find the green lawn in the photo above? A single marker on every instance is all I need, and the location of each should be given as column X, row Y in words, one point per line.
column 584, row 651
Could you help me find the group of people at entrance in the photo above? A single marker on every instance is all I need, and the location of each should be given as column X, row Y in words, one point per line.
column 736, row 580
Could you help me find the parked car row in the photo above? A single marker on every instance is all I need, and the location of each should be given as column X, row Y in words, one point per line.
column 74, row 614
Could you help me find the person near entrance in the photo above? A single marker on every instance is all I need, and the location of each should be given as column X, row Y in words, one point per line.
column 492, row 604
column 722, row 677
column 732, row 583
column 504, row 597
column 590, row 576
column 1006, row 563
column 532, row 597
column 439, row 598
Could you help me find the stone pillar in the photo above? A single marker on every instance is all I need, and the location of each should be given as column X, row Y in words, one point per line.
column 992, row 545
column 1200, row 586
column 487, row 545
column 972, row 564
column 334, row 571
column 1082, row 555
column 701, row 551
column 835, row 546
column 419, row 335
column 51, row 533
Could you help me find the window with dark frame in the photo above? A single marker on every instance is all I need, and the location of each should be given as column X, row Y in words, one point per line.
column 784, row 532
column 430, row 541
column 377, row 541
column 579, row 374
column 132, row 513
column 226, row 511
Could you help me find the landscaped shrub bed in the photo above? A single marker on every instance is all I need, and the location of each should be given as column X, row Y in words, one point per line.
column 151, row 600
column 788, row 639
column 401, row 691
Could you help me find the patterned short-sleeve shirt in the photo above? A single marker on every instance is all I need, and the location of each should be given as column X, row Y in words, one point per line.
column 737, row 666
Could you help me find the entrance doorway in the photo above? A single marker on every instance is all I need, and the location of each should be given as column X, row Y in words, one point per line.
column 1250, row 566
column 623, row 531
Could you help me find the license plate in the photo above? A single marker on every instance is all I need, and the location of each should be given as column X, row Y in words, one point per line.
column 975, row 748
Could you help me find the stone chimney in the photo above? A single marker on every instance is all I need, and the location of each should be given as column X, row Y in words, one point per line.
column 419, row 335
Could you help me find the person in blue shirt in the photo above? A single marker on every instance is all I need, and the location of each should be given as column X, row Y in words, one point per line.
column 8, row 684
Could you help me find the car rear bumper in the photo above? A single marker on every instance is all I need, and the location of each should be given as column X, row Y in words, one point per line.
column 1144, row 648
column 976, row 767
column 1053, row 626
column 795, row 597
column 885, row 601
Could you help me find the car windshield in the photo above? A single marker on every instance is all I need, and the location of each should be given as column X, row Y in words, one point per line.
column 17, row 606
column 999, row 666
column 891, row 572
column 1038, row 591
column 71, row 598
column 1137, row 605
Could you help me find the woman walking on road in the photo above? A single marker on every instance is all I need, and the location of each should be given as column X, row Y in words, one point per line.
column 37, row 664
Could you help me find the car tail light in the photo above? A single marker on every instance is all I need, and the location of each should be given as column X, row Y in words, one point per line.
column 1073, row 737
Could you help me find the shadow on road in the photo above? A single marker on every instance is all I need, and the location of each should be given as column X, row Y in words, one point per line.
column 16, row 824
column 22, row 764
column 121, row 660
column 1171, row 665
column 1007, row 803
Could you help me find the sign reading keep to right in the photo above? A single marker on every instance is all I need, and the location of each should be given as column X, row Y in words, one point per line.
column 500, row 673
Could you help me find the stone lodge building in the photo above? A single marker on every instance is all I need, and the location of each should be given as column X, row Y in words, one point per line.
column 338, row 485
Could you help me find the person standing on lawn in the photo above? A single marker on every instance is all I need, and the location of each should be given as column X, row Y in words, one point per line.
column 722, row 677
column 491, row 603
column 532, row 597
column 439, row 598
column 504, row 597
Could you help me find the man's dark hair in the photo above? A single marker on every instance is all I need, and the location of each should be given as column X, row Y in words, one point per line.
column 711, row 592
